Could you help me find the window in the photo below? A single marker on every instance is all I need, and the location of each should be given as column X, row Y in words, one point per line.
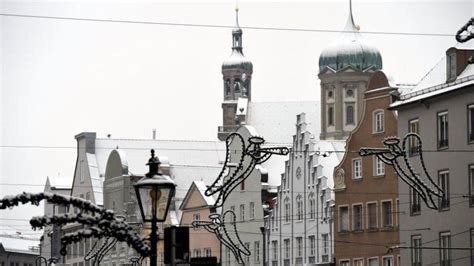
column 416, row 254
column 197, row 218
column 358, row 262
column 325, row 238
column 379, row 167
column 349, row 93
column 413, row 127
column 252, row 211
column 275, row 249
column 443, row 181
column 378, row 122
column 472, row 246
column 387, row 214
column 470, row 122
column 227, row 87
column 312, row 207
column 207, row 252
column 197, row 253
column 357, row 215
column 344, row 263
column 373, row 262
column 247, row 258
column 299, row 208
column 372, row 215
column 256, row 251
column 242, row 212
column 444, row 249
column 387, row 261
column 443, row 130
column 471, row 185
column 287, row 210
column 287, row 248
column 350, row 114
column 312, row 245
column 299, row 247
column 415, row 202
column 357, row 168
column 330, row 94
column 330, row 115
column 344, row 219
column 88, row 196
column 451, row 67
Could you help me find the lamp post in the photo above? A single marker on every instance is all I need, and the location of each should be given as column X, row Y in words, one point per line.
column 154, row 193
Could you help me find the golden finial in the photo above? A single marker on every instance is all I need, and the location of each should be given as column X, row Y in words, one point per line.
column 357, row 27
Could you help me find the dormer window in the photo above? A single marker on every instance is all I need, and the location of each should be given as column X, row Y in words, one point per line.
column 451, row 67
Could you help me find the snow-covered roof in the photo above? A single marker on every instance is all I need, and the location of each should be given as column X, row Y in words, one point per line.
column 334, row 149
column 434, row 82
column 266, row 117
column 96, row 179
column 57, row 182
column 189, row 160
column 19, row 245
column 201, row 186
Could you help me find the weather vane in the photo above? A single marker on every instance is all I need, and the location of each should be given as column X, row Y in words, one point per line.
column 398, row 157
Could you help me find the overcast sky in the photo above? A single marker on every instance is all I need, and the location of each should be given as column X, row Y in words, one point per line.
column 63, row 77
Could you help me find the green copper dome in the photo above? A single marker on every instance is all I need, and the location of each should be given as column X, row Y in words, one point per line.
column 350, row 49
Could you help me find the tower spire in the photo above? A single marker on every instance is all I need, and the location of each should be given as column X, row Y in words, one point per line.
column 350, row 24
column 237, row 15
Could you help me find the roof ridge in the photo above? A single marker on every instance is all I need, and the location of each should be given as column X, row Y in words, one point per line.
column 170, row 140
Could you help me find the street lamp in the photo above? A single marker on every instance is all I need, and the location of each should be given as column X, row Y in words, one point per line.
column 154, row 193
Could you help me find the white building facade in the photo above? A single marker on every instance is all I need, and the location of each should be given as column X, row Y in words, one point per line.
column 300, row 228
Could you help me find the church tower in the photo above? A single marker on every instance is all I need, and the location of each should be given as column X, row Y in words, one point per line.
column 237, row 87
column 345, row 68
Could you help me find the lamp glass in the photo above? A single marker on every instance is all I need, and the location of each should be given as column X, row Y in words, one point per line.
column 155, row 202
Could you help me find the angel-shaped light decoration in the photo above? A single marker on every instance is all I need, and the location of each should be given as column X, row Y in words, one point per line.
column 237, row 169
column 466, row 32
column 398, row 158
column 238, row 166
column 226, row 231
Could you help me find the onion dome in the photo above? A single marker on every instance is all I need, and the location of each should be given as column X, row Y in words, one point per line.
column 350, row 49
column 237, row 59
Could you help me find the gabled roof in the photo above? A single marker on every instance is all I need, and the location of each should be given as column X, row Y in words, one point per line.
column 200, row 187
column 434, row 82
column 62, row 183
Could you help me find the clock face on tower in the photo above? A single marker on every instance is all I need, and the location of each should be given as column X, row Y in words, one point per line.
column 298, row 172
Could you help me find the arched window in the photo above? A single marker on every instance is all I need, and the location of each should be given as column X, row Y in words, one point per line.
column 287, row 209
column 299, row 207
column 349, row 114
column 312, row 206
column 227, row 87
column 237, row 86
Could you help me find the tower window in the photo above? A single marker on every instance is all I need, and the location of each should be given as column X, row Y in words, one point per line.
column 227, row 87
column 350, row 114
column 237, row 86
column 349, row 93
column 330, row 116
column 330, row 94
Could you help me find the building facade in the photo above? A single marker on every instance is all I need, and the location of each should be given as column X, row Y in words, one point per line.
column 197, row 206
column 345, row 68
column 441, row 110
column 300, row 225
column 365, row 215
column 107, row 168
column 17, row 251
column 51, row 240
